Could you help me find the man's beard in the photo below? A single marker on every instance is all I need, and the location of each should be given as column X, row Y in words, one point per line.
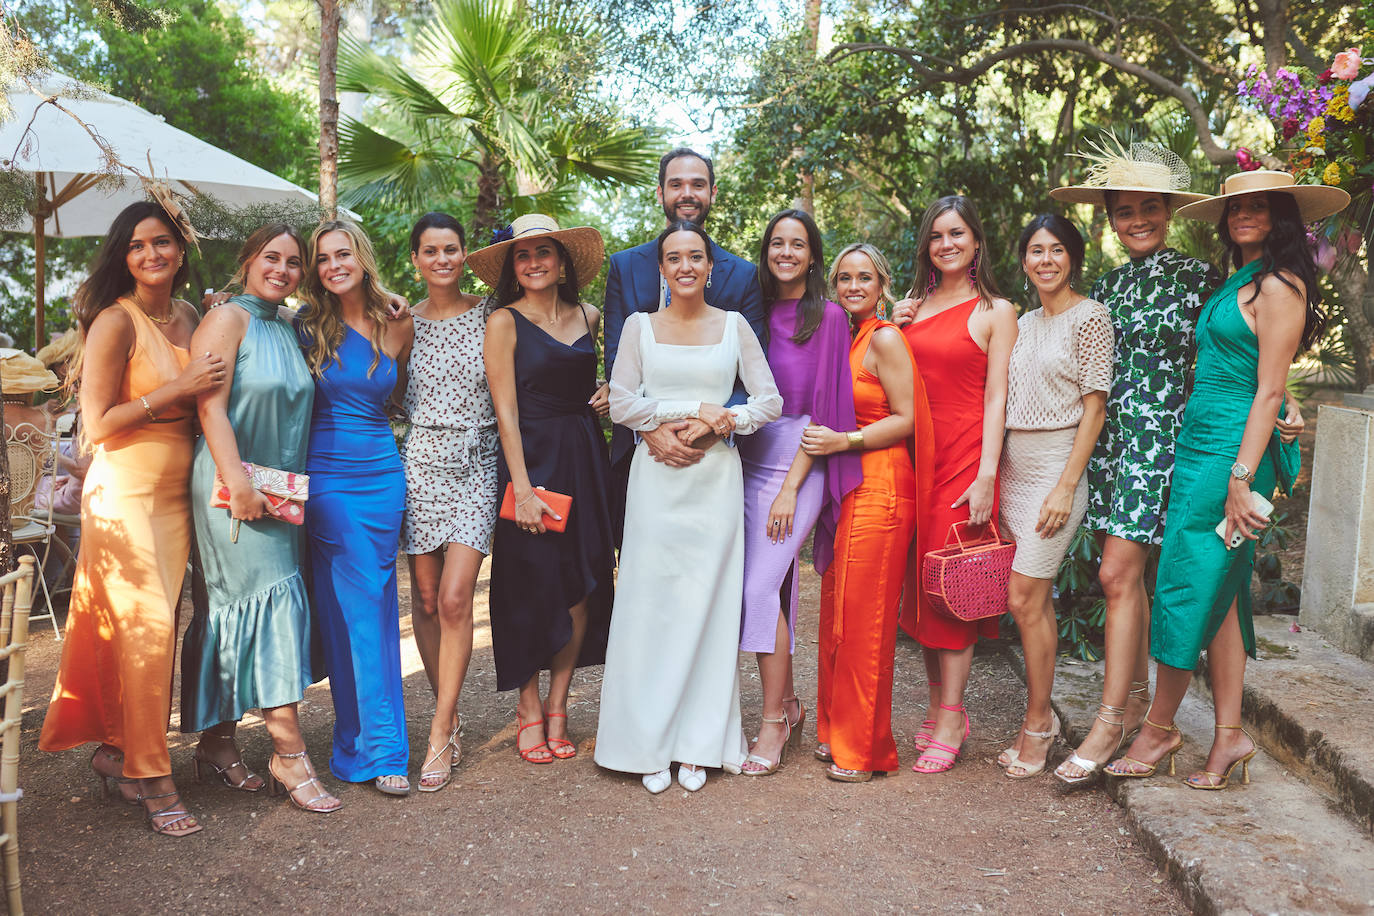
column 700, row 219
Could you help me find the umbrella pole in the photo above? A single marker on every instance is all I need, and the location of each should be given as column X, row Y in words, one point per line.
column 39, row 257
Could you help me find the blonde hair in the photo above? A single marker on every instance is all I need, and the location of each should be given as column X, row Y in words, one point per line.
column 983, row 283
column 320, row 317
column 880, row 266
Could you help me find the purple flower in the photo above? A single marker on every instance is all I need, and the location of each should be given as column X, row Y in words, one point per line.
column 502, row 235
column 1359, row 91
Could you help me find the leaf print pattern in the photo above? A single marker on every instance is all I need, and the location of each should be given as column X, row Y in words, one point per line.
column 1155, row 303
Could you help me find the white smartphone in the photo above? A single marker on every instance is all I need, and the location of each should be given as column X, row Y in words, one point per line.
column 1262, row 506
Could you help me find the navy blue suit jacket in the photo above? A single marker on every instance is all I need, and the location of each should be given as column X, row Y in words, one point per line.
column 632, row 285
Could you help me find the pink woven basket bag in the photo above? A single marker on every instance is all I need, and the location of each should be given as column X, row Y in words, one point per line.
column 967, row 579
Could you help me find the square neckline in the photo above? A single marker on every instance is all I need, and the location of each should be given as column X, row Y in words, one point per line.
column 724, row 332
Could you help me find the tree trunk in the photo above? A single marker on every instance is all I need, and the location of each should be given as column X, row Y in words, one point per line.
column 488, row 199
column 6, row 538
column 811, row 42
column 329, row 108
column 1353, row 282
column 1274, row 21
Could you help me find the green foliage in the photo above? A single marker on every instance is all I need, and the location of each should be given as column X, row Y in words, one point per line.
column 1081, row 608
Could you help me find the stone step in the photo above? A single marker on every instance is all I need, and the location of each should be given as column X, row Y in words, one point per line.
column 1312, row 707
column 1277, row 845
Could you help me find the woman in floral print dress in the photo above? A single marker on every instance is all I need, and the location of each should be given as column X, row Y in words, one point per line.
column 1154, row 300
column 450, row 464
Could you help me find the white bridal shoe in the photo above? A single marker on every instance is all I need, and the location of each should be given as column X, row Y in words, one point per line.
column 692, row 779
column 658, row 782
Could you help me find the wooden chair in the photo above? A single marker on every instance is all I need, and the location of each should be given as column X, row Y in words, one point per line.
column 16, row 598
column 33, row 455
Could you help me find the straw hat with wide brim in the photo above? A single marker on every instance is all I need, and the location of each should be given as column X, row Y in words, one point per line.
column 583, row 244
column 20, row 373
column 1315, row 201
column 1117, row 166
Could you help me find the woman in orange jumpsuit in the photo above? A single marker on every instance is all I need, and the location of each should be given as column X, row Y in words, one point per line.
column 862, row 588
column 961, row 333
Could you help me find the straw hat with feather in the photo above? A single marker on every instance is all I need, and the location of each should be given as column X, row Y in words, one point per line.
column 1315, row 201
column 22, row 375
column 1117, row 166
column 583, row 244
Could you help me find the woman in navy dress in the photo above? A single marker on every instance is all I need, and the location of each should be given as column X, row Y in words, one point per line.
column 551, row 592
column 357, row 498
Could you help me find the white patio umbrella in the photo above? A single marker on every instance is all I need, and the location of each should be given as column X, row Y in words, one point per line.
column 58, row 151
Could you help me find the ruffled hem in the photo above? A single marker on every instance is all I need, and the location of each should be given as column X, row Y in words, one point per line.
column 251, row 654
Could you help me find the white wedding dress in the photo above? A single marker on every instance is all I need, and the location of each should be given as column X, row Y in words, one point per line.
column 671, row 686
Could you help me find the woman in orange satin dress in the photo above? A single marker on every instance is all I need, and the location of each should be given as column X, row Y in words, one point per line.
column 861, row 590
column 961, row 333
column 138, row 396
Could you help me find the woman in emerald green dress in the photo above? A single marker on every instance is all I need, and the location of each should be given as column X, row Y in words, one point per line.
column 1247, row 336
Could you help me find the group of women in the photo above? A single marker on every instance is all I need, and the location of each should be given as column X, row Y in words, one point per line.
column 880, row 435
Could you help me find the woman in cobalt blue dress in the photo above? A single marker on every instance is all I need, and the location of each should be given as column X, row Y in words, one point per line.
column 357, row 499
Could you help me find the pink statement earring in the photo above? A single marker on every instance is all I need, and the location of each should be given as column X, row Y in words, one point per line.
column 973, row 268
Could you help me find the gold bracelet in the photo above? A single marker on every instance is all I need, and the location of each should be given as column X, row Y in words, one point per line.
column 521, row 502
column 856, row 439
column 152, row 417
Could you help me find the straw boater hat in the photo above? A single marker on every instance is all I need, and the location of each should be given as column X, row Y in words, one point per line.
column 21, row 374
column 583, row 244
column 1115, row 166
column 1315, row 201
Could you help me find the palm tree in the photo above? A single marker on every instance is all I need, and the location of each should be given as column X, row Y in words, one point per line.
column 493, row 90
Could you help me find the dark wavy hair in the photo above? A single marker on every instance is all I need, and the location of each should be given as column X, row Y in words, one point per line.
column 1284, row 249
column 508, row 288
column 109, row 277
column 1067, row 235
column 684, row 225
column 436, row 220
column 811, row 306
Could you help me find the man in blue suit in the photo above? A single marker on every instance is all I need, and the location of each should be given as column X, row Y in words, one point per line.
column 686, row 190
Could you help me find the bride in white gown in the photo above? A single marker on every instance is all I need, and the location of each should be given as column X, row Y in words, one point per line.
column 671, row 686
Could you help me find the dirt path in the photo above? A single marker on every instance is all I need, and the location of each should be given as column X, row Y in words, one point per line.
column 510, row 837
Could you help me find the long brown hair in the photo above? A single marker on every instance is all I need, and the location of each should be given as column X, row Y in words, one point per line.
column 255, row 243
column 983, row 282
column 321, row 318
column 811, row 305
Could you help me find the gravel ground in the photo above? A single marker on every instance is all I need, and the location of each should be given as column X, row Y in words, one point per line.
column 506, row 836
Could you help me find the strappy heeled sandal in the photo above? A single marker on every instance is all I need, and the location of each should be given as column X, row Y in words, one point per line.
column 455, row 738
column 840, row 774
column 443, row 774
column 527, row 753
column 1027, row 771
column 923, row 734
column 762, row 765
column 108, row 780
column 1140, row 690
column 1149, row 768
column 1091, row 768
column 199, row 763
column 948, row 755
column 177, row 814
column 822, row 753
column 276, row 787
column 561, row 748
column 1218, row 781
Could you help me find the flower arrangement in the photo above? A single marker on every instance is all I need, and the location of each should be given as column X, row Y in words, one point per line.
column 1326, row 122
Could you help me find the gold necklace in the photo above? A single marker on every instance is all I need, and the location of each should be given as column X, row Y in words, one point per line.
column 163, row 320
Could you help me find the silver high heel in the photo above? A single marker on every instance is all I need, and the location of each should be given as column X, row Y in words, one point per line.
column 276, row 787
column 769, row 767
column 1091, row 768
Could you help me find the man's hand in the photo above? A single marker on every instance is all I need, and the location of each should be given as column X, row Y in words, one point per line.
column 665, row 447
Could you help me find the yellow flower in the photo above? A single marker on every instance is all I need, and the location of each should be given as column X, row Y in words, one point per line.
column 1331, row 174
column 1339, row 106
column 1318, row 143
column 1315, row 126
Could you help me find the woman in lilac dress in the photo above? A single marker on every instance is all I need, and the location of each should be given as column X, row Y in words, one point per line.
column 786, row 491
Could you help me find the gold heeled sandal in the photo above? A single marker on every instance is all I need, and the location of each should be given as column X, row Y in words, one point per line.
column 1219, row 781
column 764, row 766
column 1089, row 767
column 1140, row 690
column 275, row 786
column 1171, row 752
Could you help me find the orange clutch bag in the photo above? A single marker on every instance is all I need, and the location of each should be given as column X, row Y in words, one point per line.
column 558, row 502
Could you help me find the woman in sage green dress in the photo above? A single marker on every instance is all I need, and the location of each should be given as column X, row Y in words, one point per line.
column 1229, row 451
column 248, row 646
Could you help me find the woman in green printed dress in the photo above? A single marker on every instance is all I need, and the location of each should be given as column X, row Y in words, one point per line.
column 1154, row 300
column 1247, row 337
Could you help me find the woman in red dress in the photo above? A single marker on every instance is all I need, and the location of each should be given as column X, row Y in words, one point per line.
column 961, row 333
